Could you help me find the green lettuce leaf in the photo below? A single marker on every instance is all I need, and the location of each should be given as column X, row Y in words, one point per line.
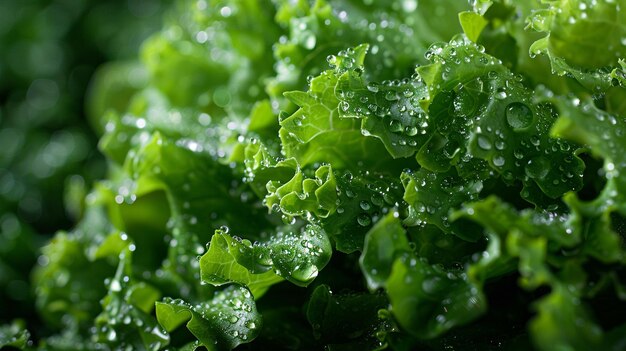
column 427, row 300
column 385, row 242
column 575, row 32
column 126, row 320
column 563, row 323
column 225, row 321
column 14, row 335
column 293, row 254
column 316, row 133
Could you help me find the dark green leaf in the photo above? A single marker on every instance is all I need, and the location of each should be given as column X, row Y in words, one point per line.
column 427, row 301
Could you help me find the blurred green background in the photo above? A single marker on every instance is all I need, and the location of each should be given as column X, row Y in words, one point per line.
column 49, row 52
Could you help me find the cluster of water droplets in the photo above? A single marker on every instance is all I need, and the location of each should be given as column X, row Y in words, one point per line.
column 298, row 255
column 432, row 194
column 120, row 313
column 232, row 311
column 393, row 103
column 510, row 130
column 610, row 131
column 365, row 197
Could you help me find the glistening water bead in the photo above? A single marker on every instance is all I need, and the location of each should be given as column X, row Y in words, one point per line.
column 518, row 115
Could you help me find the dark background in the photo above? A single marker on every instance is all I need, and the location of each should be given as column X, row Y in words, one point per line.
column 49, row 51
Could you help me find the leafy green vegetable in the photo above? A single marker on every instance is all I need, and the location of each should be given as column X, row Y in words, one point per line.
column 295, row 255
column 353, row 175
column 14, row 335
column 227, row 320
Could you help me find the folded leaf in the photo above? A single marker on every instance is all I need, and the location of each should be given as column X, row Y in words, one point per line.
column 226, row 321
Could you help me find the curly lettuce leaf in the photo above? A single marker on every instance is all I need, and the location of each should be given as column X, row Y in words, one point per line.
column 518, row 235
column 164, row 165
column 603, row 132
column 301, row 196
column 241, row 56
column 578, row 34
column 316, row 133
column 219, row 266
column 506, row 127
column 390, row 112
column 363, row 199
column 432, row 195
column 398, row 33
column 295, row 255
column 563, row 323
column 342, row 202
column 426, row 299
column 227, row 320
column 69, row 277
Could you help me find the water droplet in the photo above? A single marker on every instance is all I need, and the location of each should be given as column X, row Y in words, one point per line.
column 430, row 285
column 391, row 96
column 365, row 205
column 332, row 60
column 310, row 41
column 409, row 5
column 535, row 140
column 518, row 115
column 377, row 200
column 537, row 168
column 484, row 142
column 410, row 130
column 364, row 220
column 395, row 126
column 498, row 161
column 373, row 87
column 115, row 285
column 344, row 105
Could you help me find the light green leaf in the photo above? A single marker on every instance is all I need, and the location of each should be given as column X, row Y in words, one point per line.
column 473, row 24
column 563, row 323
column 431, row 196
column 224, row 322
column 294, row 254
column 219, row 266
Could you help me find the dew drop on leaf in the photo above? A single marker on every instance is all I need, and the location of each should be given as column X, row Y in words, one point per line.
column 537, row 168
column 364, row 220
column 365, row 205
column 498, row 161
column 484, row 143
column 410, row 130
column 395, row 126
column 518, row 115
